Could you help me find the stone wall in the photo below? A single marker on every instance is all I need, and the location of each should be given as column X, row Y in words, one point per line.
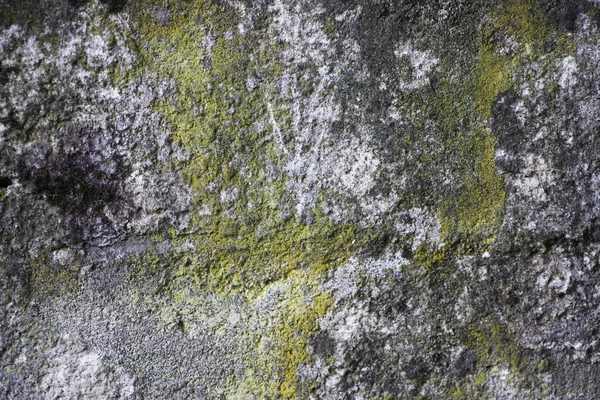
column 299, row 199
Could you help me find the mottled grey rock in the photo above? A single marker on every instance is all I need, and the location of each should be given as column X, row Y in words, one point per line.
column 299, row 199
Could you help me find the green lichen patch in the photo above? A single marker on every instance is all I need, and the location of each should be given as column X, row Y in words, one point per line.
column 272, row 330
column 511, row 38
column 283, row 346
column 514, row 36
column 495, row 345
column 294, row 334
column 471, row 217
column 231, row 120
column 222, row 112
column 470, row 193
column 49, row 280
column 433, row 261
column 228, row 262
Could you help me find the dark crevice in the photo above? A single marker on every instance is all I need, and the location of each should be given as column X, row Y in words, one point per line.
column 5, row 182
column 114, row 6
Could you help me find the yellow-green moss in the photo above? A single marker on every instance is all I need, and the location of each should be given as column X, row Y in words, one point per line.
column 293, row 333
column 52, row 281
column 471, row 217
column 330, row 27
column 472, row 213
column 519, row 26
column 433, row 261
column 248, row 240
column 493, row 76
column 495, row 345
column 147, row 265
column 512, row 35
column 245, row 239
column 459, row 394
column 283, row 345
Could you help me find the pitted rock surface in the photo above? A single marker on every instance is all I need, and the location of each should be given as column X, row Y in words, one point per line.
column 299, row 199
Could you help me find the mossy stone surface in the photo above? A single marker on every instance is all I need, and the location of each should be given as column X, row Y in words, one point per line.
column 299, row 199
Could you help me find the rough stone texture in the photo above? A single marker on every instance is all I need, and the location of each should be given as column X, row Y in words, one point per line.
column 299, row 199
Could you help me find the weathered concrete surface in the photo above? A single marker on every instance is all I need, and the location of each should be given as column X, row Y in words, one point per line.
column 299, row 199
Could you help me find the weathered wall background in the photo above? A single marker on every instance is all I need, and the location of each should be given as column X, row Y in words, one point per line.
column 299, row 199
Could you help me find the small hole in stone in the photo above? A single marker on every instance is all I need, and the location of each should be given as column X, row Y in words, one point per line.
column 5, row 182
